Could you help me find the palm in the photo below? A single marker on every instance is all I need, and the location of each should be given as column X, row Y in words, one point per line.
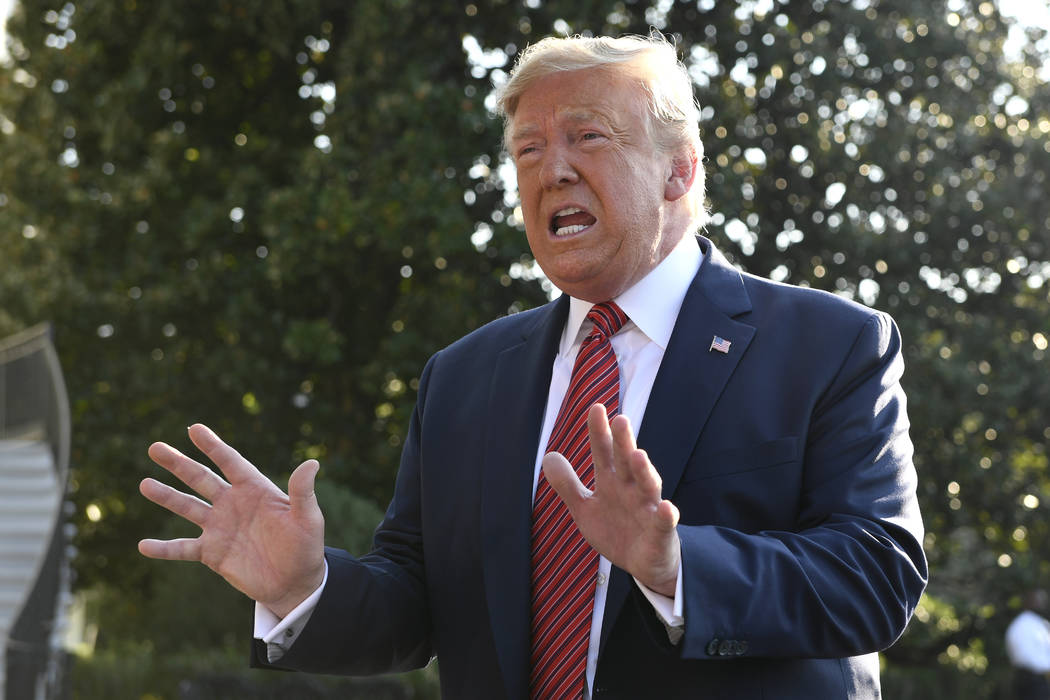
column 635, row 535
column 624, row 517
column 254, row 541
column 265, row 543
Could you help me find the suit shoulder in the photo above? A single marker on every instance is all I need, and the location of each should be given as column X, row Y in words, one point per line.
column 820, row 321
column 808, row 306
column 500, row 333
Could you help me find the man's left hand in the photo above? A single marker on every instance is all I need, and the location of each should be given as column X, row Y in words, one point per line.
column 623, row 518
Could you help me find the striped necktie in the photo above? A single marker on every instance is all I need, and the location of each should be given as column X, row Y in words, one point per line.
column 564, row 566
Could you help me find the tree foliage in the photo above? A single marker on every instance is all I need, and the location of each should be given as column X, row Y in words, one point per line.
column 265, row 215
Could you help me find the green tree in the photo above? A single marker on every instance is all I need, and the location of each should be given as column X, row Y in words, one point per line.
column 266, row 215
column 249, row 214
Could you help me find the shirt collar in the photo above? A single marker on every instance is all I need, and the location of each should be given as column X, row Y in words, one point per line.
column 652, row 304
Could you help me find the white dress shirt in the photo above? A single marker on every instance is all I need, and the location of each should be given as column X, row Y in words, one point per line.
column 1028, row 642
column 652, row 306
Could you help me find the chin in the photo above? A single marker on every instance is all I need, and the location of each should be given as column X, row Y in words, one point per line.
column 588, row 291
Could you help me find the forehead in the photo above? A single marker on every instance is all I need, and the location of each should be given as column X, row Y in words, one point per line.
column 578, row 96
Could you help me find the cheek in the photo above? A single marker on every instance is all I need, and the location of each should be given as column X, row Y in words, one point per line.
column 529, row 205
column 535, row 232
column 637, row 186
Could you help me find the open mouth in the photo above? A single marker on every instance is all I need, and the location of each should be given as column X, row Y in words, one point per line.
column 570, row 220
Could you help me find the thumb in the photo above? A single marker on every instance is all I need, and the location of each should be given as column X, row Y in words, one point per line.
column 563, row 479
column 301, row 486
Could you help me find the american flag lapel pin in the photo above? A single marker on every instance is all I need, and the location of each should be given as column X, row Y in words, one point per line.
column 720, row 344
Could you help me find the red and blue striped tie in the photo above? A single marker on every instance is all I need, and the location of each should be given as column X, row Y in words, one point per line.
column 564, row 566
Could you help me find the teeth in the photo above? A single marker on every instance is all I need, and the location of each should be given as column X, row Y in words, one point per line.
column 567, row 230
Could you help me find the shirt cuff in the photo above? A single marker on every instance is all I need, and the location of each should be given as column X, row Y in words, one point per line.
column 670, row 610
column 279, row 634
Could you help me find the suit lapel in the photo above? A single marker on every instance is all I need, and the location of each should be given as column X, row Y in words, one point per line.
column 517, row 399
column 689, row 382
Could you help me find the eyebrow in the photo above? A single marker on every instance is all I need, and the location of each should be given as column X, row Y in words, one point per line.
column 524, row 132
column 585, row 115
column 576, row 116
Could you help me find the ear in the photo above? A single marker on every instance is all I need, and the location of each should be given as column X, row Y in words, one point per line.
column 682, row 173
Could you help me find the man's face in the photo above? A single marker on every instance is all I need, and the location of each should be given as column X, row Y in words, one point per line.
column 594, row 189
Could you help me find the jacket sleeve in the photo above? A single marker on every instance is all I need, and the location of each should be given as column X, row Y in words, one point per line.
column 846, row 578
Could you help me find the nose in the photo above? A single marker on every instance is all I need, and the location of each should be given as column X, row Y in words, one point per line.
column 557, row 169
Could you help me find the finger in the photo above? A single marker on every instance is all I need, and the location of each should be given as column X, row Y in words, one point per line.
column 623, row 445
column 190, row 507
column 301, row 487
column 601, row 442
column 645, row 477
column 184, row 549
column 564, row 481
column 667, row 515
column 236, row 468
column 190, row 472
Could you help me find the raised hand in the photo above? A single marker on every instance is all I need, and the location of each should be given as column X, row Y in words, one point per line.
column 266, row 544
column 623, row 518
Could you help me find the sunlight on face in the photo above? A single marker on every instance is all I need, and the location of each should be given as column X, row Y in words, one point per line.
column 593, row 187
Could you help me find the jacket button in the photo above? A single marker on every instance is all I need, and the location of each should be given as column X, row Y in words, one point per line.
column 724, row 647
column 743, row 647
column 712, row 647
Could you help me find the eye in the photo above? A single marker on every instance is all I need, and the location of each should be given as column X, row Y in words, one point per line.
column 591, row 137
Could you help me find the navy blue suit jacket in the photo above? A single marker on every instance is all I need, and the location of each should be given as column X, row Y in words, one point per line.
column 788, row 457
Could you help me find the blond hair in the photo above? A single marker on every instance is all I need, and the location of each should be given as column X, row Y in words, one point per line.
column 674, row 115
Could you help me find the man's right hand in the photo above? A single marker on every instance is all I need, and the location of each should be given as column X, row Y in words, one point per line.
column 266, row 544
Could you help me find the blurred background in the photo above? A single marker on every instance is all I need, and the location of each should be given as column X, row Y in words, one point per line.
column 265, row 215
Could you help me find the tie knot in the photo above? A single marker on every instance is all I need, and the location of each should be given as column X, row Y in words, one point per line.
column 608, row 318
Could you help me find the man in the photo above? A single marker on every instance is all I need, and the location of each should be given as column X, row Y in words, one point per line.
column 758, row 534
column 1028, row 646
